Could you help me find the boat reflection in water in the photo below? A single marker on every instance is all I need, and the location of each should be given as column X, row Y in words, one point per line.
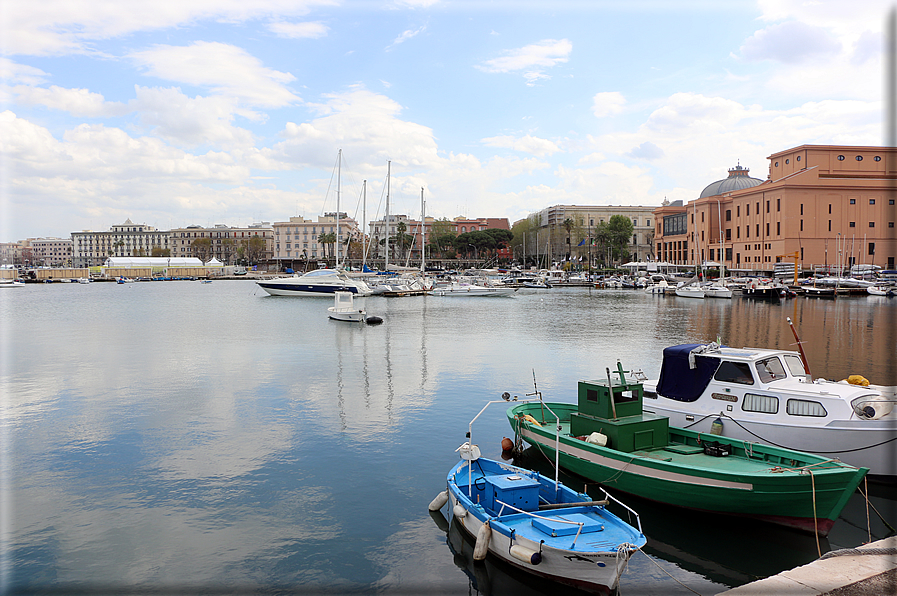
column 493, row 577
column 725, row 549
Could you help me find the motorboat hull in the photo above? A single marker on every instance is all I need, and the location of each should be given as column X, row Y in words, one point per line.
column 758, row 481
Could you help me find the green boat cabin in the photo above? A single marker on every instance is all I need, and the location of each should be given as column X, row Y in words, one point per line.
column 614, row 409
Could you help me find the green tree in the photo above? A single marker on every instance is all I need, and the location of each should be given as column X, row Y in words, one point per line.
column 201, row 248
column 442, row 237
column 252, row 250
column 524, row 239
column 401, row 242
column 619, row 230
column 158, row 251
column 568, row 225
column 327, row 241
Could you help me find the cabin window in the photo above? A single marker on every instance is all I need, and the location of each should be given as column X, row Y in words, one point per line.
column 734, row 372
column 764, row 404
column 795, row 365
column 591, row 395
column 770, row 369
column 802, row 407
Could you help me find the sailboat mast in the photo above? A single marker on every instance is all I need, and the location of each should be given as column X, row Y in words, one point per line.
column 423, row 230
column 364, row 206
column 339, row 163
column 386, row 260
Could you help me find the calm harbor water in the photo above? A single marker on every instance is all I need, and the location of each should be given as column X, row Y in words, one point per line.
column 208, row 438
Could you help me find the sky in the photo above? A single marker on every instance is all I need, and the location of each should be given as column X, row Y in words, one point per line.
column 201, row 112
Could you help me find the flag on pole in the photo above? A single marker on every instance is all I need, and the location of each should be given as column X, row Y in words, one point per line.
column 582, row 242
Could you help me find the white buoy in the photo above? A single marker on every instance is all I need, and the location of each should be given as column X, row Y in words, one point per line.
column 482, row 546
column 459, row 511
column 440, row 500
column 527, row 555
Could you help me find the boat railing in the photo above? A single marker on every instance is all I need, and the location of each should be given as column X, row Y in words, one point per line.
column 638, row 520
column 507, row 398
column 552, row 519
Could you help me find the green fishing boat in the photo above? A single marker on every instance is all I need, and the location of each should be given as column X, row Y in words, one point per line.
column 607, row 438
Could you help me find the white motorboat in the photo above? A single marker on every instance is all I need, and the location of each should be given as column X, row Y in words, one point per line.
column 465, row 289
column 660, row 287
column 879, row 291
column 689, row 291
column 11, row 283
column 320, row 282
column 767, row 395
column 344, row 309
column 716, row 290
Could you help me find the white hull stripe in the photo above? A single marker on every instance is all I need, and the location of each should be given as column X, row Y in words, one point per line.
column 633, row 467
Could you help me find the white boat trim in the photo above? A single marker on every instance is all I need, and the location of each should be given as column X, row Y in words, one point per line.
column 635, row 468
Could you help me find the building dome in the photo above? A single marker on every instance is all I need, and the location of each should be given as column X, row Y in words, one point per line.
column 738, row 179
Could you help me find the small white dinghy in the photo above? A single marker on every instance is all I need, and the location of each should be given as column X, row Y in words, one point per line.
column 343, row 308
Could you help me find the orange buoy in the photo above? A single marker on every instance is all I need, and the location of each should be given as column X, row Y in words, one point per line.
column 507, row 444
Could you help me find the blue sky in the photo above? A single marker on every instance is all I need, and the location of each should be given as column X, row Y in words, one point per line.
column 181, row 112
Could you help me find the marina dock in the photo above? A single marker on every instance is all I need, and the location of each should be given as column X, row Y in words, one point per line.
column 870, row 570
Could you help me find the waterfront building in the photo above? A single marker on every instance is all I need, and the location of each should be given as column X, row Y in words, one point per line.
column 227, row 244
column 128, row 239
column 303, row 240
column 551, row 240
column 51, row 252
column 821, row 206
column 457, row 226
column 10, row 254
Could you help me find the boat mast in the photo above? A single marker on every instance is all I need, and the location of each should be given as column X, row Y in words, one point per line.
column 423, row 230
column 386, row 260
column 339, row 162
column 364, row 205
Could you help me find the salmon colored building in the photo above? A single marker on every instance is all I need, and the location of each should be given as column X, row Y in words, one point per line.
column 821, row 205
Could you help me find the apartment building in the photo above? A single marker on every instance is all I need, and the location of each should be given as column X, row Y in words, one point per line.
column 123, row 240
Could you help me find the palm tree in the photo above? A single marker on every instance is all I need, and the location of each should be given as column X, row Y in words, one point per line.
column 568, row 225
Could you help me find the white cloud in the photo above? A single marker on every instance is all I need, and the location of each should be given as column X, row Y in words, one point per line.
column 525, row 144
column 405, row 36
column 190, row 121
column 77, row 102
column 310, row 30
column 608, row 103
column 646, row 150
column 12, row 72
column 53, row 27
column 533, row 59
column 790, row 42
column 225, row 69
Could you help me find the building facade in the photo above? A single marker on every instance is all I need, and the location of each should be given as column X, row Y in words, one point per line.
column 821, row 206
column 552, row 241
column 302, row 240
column 229, row 245
column 123, row 240
column 51, row 252
column 413, row 228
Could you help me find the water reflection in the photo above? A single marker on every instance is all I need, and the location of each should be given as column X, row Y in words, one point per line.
column 185, row 435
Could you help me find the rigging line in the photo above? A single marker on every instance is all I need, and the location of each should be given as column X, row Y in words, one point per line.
column 818, row 452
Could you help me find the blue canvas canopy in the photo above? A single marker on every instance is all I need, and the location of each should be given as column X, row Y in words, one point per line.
column 678, row 380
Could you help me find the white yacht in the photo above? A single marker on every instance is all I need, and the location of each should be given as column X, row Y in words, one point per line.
column 766, row 396
column 320, row 282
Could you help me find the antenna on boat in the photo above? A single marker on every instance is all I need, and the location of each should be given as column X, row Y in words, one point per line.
column 539, row 393
column 800, row 348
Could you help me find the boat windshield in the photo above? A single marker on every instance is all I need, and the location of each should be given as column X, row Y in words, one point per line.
column 770, row 369
column 795, row 365
column 320, row 273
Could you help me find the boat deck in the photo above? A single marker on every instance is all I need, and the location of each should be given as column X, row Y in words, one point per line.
column 745, row 457
column 556, row 528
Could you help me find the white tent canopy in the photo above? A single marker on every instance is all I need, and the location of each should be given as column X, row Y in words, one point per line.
column 132, row 262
